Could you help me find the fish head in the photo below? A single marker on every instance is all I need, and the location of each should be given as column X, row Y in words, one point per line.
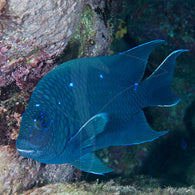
column 35, row 139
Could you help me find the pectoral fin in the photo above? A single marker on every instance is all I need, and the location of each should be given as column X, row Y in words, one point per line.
column 94, row 126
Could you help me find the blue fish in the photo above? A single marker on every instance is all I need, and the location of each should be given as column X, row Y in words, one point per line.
column 88, row 104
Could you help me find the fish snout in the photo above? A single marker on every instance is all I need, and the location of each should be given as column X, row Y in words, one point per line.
column 25, row 148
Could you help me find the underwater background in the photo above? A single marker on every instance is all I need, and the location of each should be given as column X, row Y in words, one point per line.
column 36, row 36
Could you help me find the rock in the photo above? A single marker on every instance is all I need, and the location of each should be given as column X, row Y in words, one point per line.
column 19, row 174
column 2, row 5
column 41, row 30
column 34, row 27
column 16, row 177
column 41, row 24
column 109, row 188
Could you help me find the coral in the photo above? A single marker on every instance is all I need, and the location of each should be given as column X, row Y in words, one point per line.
column 122, row 30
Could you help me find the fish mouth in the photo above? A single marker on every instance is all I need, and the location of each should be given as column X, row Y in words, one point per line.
column 27, row 153
column 26, row 149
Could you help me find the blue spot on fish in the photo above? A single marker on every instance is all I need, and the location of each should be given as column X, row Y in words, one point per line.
column 37, row 105
column 135, row 86
column 71, row 84
column 101, row 76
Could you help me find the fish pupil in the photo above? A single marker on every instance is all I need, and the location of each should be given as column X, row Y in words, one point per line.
column 40, row 121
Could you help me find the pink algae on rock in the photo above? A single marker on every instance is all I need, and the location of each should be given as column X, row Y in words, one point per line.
column 25, row 71
column 32, row 34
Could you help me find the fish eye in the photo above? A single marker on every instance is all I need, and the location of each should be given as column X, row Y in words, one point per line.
column 40, row 121
column 40, row 124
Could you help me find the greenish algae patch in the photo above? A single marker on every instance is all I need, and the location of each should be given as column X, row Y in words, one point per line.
column 85, row 30
column 90, row 38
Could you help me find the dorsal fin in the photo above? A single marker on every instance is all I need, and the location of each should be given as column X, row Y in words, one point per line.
column 129, row 66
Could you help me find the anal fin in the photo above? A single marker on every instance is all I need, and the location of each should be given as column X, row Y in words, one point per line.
column 140, row 132
column 92, row 164
column 134, row 131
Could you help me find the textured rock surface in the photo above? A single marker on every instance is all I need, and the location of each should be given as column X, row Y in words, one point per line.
column 33, row 33
column 17, row 177
column 109, row 188
column 42, row 24
column 34, row 27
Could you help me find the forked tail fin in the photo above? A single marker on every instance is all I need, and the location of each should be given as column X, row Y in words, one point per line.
column 157, row 86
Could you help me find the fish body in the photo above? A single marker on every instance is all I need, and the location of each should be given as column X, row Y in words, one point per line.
column 88, row 104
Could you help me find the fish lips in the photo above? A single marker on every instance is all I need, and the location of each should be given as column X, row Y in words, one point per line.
column 26, row 149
